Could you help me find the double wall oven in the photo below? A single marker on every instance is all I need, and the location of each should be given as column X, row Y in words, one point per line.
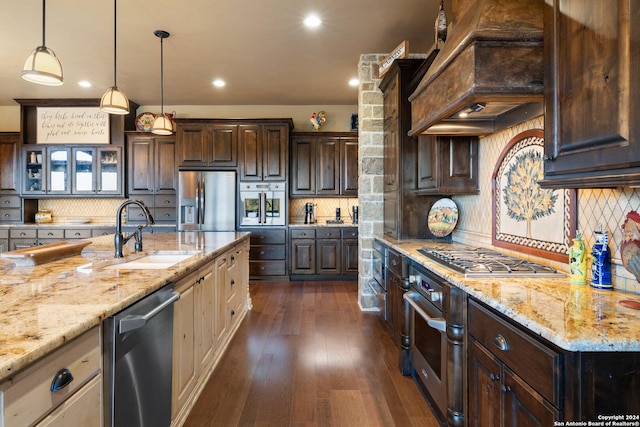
column 263, row 203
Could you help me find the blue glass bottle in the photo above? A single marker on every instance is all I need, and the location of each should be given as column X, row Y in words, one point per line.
column 601, row 262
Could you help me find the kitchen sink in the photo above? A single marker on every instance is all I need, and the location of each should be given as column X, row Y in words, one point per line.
column 153, row 260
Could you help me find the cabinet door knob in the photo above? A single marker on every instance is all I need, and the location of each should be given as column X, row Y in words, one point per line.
column 62, row 379
column 506, row 389
column 494, row 378
column 233, row 282
column 233, row 312
column 501, row 342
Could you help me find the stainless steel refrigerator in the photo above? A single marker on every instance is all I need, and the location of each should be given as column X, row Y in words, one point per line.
column 207, row 201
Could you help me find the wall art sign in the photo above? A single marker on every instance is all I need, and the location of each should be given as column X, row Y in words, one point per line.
column 526, row 217
column 72, row 125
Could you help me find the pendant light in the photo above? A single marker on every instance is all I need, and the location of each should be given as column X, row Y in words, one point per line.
column 114, row 101
column 42, row 66
column 162, row 125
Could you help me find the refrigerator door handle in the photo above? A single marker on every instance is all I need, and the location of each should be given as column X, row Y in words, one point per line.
column 261, row 212
column 197, row 202
column 202, row 202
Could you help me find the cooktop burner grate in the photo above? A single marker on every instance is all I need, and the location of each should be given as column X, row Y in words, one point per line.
column 483, row 262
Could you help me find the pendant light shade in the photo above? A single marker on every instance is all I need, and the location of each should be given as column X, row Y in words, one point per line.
column 162, row 125
column 42, row 66
column 114, row 101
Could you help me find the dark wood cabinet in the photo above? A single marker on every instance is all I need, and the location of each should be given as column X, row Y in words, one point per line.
column 268, row 253
column 592, row 135
column 321, row 252
column 204, row 144
column 447, row 165
column 396, row 287
column 324, row 164
column 513, row 379
column 350, row 255
column 265, row 150
column 77, row 169
column 152, row 176
column 9, row 164
column 411, row 180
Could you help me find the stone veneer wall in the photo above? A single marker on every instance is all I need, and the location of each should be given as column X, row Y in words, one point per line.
column 370, row 170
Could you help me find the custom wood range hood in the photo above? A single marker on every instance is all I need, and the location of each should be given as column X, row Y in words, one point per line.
column 490, row 66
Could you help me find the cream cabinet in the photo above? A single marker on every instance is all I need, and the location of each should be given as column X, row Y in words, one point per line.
column 212, row 302
column 27, row 398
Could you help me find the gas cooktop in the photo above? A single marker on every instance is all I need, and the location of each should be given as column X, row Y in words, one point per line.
column 483, row 262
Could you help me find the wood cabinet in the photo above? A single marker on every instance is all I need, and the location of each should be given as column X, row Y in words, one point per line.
column 268, row 253
column 265, row 150
column 513, row 378
column 323, row 251
column 75, row 169
column 396, row 287
column 324, row 164
column 152, row 176
column 405, row 209
column 447, row 165
column 592, row 135
column 212, row 301
column 203, row 144
column 9, row 163
column 27, row 396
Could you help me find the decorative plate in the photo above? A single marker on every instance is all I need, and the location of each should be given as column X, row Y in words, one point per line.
column 443, row 217
column 144, row 121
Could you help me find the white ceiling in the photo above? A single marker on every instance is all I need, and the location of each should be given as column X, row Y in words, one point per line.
column 259, row 47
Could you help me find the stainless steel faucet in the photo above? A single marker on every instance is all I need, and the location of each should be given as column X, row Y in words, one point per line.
column 119, row 240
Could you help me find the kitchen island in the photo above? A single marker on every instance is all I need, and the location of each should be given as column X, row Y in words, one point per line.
column 526, row 349
column 46, row 307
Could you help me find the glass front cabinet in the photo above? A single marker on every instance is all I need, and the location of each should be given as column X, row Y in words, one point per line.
column 83, row 171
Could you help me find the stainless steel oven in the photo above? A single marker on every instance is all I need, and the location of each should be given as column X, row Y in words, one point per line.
column 378, row 283
column 263, row 203
column 436, row 333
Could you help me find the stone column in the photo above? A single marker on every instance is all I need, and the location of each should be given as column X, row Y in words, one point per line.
column 371, row 168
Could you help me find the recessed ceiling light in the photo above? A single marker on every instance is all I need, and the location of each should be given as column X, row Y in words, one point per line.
column 312, row 21
column 84, row 83
column 219, row 83
column 354, row 82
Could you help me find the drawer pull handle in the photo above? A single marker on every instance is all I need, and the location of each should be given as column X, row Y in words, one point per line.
column 261, row 252
column 62, row 379
column 7, row 215
column 76, row 234
column 6, row 202
column 49, row 234
column 501, row 342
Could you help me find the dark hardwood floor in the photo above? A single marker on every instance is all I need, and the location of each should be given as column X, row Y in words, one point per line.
column 306, row 355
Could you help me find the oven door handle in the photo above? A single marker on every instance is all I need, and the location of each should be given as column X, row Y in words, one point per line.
column 437, row 323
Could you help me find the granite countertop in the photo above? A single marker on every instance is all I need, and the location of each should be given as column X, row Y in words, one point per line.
column 47, row 305
column 347, row 223
column 573, row 317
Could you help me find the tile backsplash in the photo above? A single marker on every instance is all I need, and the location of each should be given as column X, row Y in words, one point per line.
column 326, row 209
column 99, row 210
column 595, row 207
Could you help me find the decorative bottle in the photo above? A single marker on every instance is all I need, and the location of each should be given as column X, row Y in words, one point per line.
column 601, row 262
column 578, row 261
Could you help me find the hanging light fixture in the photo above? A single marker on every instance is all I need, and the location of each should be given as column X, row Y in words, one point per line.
column 42, row 66
column 162, row 125
column 114, row 101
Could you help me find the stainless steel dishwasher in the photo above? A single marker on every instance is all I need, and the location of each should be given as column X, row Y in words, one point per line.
column 138, row 345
